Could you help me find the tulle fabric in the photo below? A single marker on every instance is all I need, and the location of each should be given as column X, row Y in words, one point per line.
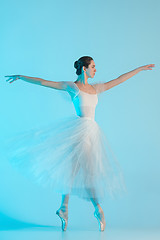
column 71, row 156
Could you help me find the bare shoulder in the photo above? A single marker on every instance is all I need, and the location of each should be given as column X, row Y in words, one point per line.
column 89, row 88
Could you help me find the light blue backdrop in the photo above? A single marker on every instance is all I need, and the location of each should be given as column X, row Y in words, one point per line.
column 43, row 39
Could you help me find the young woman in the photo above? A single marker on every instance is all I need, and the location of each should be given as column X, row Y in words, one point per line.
column 75, row 157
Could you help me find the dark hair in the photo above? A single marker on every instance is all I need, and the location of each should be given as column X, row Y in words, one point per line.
column 83, row 61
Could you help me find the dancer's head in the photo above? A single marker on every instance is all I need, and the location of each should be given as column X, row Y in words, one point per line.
column 85, row 64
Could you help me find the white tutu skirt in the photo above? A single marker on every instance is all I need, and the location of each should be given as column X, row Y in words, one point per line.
column 71, row 156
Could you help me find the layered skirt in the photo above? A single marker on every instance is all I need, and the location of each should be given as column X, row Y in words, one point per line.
column 71, row 156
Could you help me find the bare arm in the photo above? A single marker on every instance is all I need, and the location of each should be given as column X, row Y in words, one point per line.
column 125, row 76
column 38, row 81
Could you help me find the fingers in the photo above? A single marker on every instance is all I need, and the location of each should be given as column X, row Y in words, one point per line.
column 11, row 75
column 8, row 79
column 149, row 66
column 12, row 81
column 12, row 78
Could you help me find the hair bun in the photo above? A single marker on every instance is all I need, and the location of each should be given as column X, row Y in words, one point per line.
column 82, row 61
column 76, row 64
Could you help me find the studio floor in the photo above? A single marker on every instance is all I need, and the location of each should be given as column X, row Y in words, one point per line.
column 48, row 233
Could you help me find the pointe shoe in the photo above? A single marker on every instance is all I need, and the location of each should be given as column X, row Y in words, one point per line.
column 64, row 218
column 101, row 220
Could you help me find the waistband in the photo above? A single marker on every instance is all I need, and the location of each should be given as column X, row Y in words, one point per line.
column 89, row 118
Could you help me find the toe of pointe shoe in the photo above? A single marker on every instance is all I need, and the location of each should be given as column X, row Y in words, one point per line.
column 101, row 222
column 63, row 219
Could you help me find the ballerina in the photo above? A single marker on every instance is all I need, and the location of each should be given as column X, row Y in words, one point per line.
column 74, row 159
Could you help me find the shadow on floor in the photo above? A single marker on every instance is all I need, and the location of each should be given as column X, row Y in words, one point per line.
column 9, row 223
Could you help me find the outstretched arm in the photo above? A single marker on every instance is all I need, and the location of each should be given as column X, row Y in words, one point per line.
column 125, row 76
column 39, row 81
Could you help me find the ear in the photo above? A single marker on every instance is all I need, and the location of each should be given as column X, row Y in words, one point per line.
column 84, row 68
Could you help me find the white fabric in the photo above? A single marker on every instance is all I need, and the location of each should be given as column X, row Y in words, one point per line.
column 72, row 156
column 84, row 103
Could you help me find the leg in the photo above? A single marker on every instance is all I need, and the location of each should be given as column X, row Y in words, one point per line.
column 93, row 198
column 62, row 212
column 64, row 203
column 95, row 203
column 98, row 212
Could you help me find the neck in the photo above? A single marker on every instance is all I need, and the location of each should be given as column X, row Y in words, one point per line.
column 83, row 79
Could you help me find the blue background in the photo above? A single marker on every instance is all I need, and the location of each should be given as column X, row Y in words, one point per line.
column 43, row 39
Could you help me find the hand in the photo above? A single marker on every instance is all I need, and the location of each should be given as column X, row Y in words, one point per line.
column 12, row 78
column 147, row 67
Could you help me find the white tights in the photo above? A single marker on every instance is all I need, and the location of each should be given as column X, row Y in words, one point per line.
column 65, row 199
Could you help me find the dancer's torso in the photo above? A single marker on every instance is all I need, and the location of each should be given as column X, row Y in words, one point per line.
column 84, row 103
